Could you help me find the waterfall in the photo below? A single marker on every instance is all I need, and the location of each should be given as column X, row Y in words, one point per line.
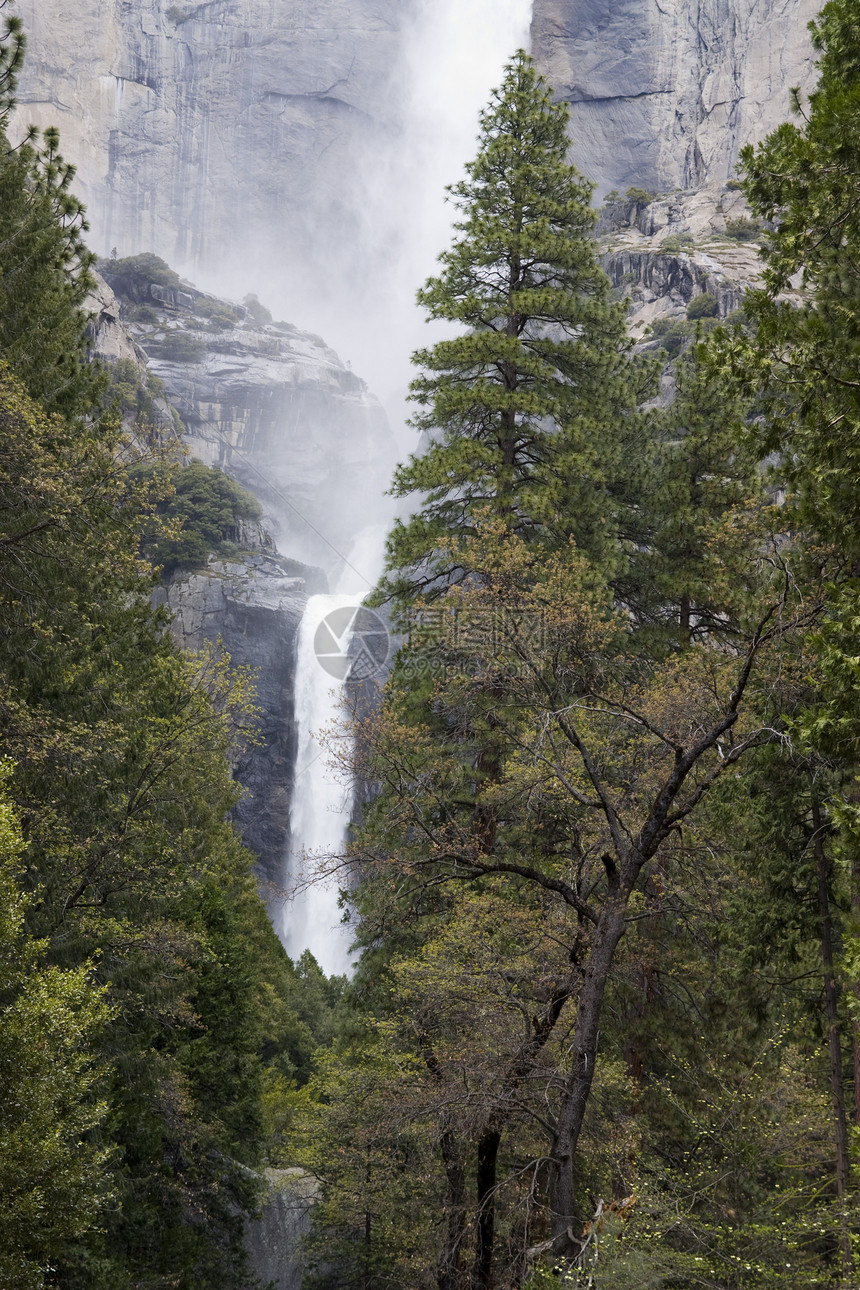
column 322, row 800
column 453, row 53
column 322, row 796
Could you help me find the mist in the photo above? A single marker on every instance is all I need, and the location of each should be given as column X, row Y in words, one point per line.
column 352, row 278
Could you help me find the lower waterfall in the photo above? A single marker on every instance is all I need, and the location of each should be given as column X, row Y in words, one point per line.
column 321, row 805
column 322, row 800
column 453, row 52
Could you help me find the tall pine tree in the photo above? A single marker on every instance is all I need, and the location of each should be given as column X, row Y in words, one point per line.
column 529, row 410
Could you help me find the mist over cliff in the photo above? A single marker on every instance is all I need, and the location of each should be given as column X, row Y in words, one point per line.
column 300, row 151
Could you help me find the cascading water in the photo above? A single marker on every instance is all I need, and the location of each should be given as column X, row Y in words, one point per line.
column 322, row 798
column 322, row 793
column 453, row 54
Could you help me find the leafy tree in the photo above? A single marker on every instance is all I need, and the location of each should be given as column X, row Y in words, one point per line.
column 201, row 515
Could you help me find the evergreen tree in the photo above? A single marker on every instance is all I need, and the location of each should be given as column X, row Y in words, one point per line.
column 529, row 410
column 44, row 263
column 54, row 1177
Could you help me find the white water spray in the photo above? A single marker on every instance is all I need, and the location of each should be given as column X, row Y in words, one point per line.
column 321, row 804
column 322, row 793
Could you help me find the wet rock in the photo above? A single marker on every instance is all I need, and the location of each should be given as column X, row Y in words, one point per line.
column 664, row 94
column 253, row 607
column 273, row 1241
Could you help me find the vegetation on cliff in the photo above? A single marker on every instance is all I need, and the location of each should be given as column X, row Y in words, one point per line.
column 146, row 1008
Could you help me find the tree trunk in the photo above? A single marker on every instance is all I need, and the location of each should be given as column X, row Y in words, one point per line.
column 488, row 1154
column 608, row 933
column 448, row 1272
column 831, row 999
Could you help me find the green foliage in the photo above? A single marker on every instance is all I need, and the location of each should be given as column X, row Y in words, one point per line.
column 134, row 274
column 44, row 272
column 177, row 346
column 675, row 334
column 703, row 306
column 677, row 242
column 743, row 229
column 220, row 315
column 54, row 1179
column 639, row 197
column 198, row 517
column 530, row 411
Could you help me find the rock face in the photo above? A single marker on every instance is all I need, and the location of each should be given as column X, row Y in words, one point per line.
column 211, row 132
column 664, row 254
column 273, row 1240
column 205, row 126
column 271, row 405
column 254, row 608
column 664, row 93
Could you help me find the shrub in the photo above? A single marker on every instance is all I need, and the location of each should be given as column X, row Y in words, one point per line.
column 677, row 242
column 675, row 334
column 181, row 347
column 219, row 312
column 151, row 268
column 200, row 518
column 258, row 312
column 639, row 196
column 703, row 306
column 743, row 229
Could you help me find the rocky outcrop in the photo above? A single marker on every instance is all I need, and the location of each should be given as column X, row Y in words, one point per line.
column 269, row 404
column 661, row 255
column 663, row 93
column 253, row 607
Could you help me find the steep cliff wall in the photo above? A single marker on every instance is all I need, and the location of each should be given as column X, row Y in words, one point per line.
column 198, row 128
column 271, row 405
column 664, row 93
column 253, row 130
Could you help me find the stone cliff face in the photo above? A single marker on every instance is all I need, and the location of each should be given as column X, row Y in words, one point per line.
column 245, row 130
column 271, row 405
column 276, row 409
column 253, row 607
column 197, row 128
column 663, row 93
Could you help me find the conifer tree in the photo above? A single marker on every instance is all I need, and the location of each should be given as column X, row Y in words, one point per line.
column 44, row 263
column 529, row 410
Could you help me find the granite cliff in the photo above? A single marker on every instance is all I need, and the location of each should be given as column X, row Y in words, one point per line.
column 244, row 131
column 663, row 93
column 276, row 409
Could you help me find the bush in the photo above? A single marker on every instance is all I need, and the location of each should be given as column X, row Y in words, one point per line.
column 677, row 242
column 151, row 268
column 675, row 334
column 703, row 306
column 219, row 313
column 180, row 347
column 743, row 229
column 199, row 519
